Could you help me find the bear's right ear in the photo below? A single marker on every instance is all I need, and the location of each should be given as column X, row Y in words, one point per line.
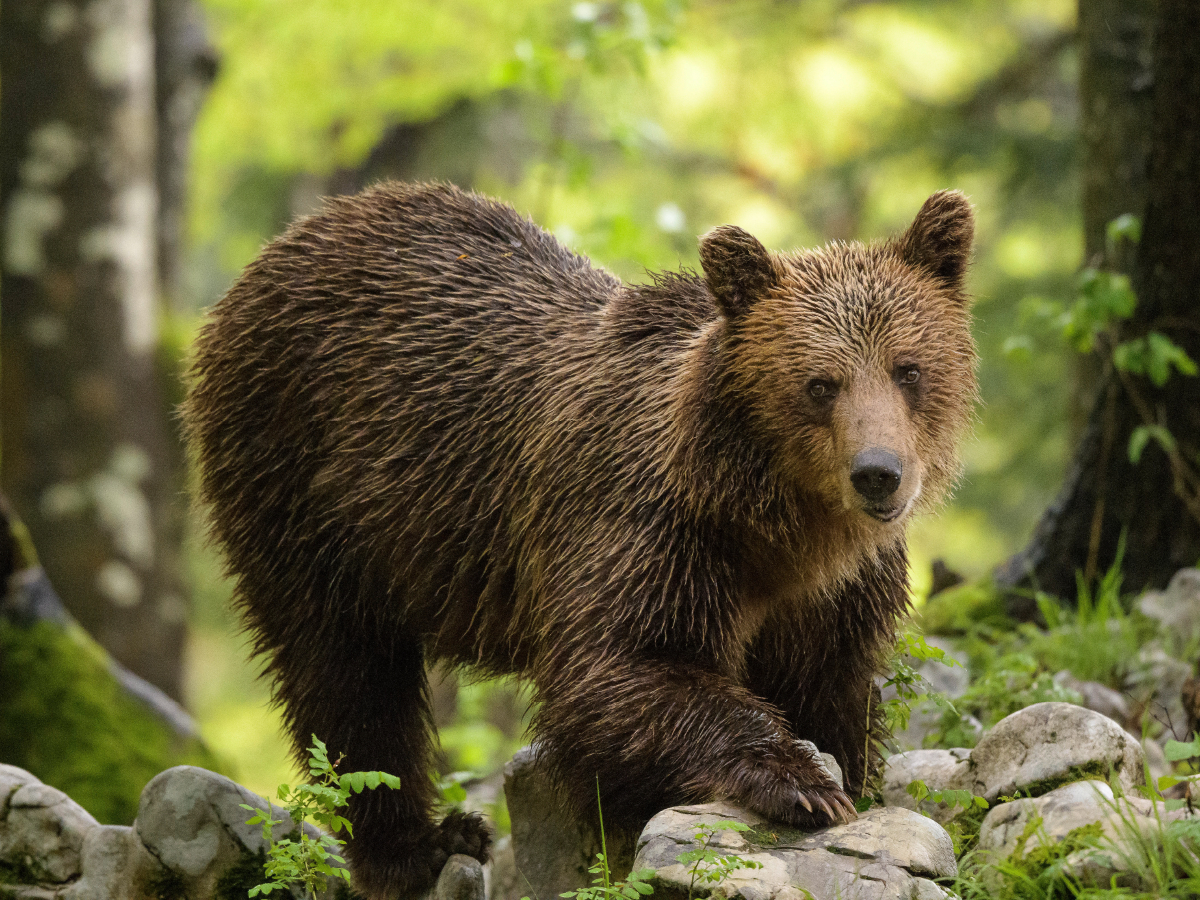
column 737, row 268
column 939, row 239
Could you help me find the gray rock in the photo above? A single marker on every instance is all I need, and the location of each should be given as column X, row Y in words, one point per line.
column 461, row 879
column 190, row 820
column 114, row 862
column 1073, row 806
column 829, row 764
column 1178, row 607
column 1158, row 681
column 552, row 849
column 939, row 769
column 1097, row 697
column 1061, row 811
column 1053, row 741
column 11, row 778
column 42, row 831
column 503, row 881
column 885, row 853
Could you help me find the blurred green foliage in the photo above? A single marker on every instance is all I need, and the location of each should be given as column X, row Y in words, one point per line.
column 629, row 128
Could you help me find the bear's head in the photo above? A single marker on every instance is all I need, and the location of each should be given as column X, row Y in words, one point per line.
column 856, row 361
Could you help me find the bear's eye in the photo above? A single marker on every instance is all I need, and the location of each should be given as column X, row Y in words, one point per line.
column 820, row 390
column 908, row 375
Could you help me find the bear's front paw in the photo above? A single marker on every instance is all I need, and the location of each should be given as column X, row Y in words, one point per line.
column 822, row 806
column 801, row 795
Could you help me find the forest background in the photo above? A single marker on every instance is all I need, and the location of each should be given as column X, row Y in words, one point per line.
column 626, row 129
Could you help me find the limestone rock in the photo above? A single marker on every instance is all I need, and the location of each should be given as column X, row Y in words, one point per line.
column 1050, row 742
column 42, row 830
column 461, row 879
column 1097, row 697
column 1178, row 607
column 885, row 853
column 1071, row 807
column 939, row 769
column 831, row 765
column 503, row 881
column 114, row 866
column 551, row 847
column 190, row 820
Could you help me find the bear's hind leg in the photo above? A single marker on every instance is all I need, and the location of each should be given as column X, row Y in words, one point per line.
column 367, row 698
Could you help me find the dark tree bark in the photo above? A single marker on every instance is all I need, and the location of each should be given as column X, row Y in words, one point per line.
column 185, row 64
column 86, row 446
column 1115, row 39
column 1155, row 502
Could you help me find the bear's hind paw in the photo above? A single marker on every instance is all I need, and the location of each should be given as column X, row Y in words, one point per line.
column 464, row 833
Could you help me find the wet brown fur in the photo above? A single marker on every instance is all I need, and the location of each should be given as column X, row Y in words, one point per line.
column 427, row 431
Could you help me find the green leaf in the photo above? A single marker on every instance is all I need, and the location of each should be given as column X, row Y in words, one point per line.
column 1018, row 347
column 1177, row 750
column 1127, row 227
column 1142, row 434
column 918, row 790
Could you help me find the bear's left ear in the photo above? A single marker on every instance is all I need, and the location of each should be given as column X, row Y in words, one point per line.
column 737, row 268
column 939, row 239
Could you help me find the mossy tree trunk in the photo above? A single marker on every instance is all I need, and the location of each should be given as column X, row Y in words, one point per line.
column 1153, row 503
column 88, row 458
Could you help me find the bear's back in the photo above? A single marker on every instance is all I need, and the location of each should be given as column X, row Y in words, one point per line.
column 393, row 375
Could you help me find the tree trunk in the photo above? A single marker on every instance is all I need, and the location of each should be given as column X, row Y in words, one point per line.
column 1153, row 503
column 86, row 448
column 185, row 65
column 1115, row 39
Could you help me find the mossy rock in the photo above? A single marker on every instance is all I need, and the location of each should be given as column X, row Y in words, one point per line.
column 958, row 609
column 66, row 719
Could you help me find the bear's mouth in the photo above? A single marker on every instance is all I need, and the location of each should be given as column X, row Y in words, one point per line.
column 885, row 513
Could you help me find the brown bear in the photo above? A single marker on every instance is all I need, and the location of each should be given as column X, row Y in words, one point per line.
column 427, row 431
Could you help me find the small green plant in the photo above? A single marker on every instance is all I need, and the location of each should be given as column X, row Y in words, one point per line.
column 299, row 859
column 911, row 688
column 708, row 867
column 920, row 791
column 603, row 887
column 1012, row 682
column 964, row 827
column 1186, row 753
column 1096, row 322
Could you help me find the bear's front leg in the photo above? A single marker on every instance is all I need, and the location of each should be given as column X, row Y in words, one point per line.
column 818, row 667
column 658, row 733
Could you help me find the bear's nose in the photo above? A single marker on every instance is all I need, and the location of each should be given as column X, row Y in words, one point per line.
column 875, row 473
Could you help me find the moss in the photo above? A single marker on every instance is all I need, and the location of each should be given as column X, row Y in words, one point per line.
column 17, row 873
column 964, row 828
column 249, row 871
column 167, row 885
column 66, row 720
column 959, row 609
column 1094, row 770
